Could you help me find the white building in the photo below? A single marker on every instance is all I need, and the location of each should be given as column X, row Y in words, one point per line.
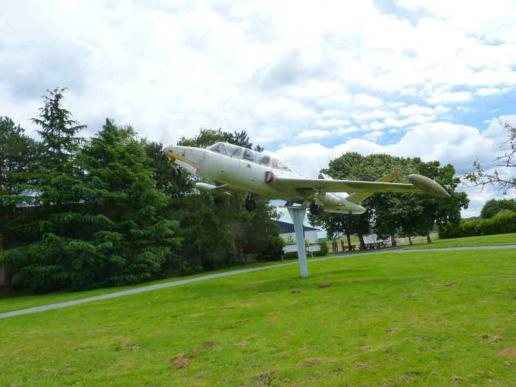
column 286, row 232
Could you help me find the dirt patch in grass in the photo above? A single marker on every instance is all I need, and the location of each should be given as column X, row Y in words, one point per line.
column 295, row 291
column 264, row 379
column 209, row 343
column 322, row 286
column 194, row 352
column 310, row 362
column 507, row 352
column 489, row 338
column 457, row 379
column 180, row 361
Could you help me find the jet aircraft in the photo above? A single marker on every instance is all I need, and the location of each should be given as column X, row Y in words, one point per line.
column 242, row 169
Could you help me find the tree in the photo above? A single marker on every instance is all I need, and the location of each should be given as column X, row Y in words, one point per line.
column 395, row 213
column 18, row 160
column 99, row 209
column 58, row 131
column 59, row 191
column 135, row 240
column 503, row 176
column 438, row 211
column 494, row 207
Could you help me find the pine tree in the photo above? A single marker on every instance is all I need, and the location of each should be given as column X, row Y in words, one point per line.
column 18, row 158
column 123, row 191
column 63, row 229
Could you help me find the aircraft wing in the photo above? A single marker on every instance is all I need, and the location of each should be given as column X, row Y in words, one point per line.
column 418, row 183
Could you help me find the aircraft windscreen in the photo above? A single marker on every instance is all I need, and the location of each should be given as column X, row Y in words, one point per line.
column 279, row 165
column 247, row 154
column 219, row 148
column 234, row 151
column 265, row 160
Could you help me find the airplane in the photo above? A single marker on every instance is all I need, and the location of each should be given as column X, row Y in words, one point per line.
column 258, row 173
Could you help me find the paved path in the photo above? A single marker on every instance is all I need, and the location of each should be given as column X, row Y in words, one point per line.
column 149, row 288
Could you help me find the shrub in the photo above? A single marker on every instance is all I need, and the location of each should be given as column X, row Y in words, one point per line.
column 498, row 224
column 273, row 250
column 323, row 251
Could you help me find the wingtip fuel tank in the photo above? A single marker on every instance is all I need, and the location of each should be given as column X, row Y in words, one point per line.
column 428, row 185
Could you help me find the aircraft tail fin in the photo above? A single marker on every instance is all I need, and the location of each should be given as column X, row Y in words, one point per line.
column 358, row 197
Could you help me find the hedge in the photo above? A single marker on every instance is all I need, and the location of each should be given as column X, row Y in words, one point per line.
column 498, row 224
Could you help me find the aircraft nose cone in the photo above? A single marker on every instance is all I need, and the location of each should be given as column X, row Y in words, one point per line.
column 173, row 152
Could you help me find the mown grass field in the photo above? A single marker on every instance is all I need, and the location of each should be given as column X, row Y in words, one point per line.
column 425, row 317
column 20, row 301
column 474, row 241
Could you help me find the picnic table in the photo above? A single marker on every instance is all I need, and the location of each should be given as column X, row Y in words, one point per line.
column 375, row 245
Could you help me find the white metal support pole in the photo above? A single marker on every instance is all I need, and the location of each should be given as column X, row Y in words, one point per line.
column 298, row 216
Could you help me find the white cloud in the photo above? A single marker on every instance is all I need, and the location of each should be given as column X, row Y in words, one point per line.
column 368, row 101
column 488, row 91
column 450, row 97
column 332, row 122
column 416, row 110
column 318, row 133
column 314, row 133
column 372, row 115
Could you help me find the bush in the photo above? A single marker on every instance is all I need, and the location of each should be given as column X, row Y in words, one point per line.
column 499, row 224
column 323, row 251
column 273, row 250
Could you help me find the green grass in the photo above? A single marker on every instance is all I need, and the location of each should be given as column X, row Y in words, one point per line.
column 474, row 241
column 23, row 301
column 426, row 318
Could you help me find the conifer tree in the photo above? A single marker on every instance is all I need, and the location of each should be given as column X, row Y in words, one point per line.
column 18, row 158
column 138, row 238
column 64, row 228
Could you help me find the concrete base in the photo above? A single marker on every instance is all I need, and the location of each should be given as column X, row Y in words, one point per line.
column 298, row 216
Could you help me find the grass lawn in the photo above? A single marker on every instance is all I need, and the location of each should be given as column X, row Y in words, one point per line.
column 484, row 240
column 437, row 318
column 23, row 301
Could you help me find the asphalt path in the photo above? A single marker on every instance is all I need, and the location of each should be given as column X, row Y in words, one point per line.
column 143, row 289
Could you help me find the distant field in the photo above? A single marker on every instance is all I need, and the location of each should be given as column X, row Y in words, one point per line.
column 427, row 318
column 484, row 240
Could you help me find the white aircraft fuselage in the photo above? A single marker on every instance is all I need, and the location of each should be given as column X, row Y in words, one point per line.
column 245, row 170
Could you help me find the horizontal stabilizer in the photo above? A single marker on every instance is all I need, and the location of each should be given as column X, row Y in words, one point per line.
column 359, row 197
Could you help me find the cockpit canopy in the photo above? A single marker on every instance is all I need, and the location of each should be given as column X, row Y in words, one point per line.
column 247, row 154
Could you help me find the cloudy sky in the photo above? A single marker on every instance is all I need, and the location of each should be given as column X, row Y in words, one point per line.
column 308, row 80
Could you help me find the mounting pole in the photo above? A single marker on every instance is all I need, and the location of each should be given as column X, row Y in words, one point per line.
column 298, row 216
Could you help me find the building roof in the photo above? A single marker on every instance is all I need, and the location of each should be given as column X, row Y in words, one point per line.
column 287, row 228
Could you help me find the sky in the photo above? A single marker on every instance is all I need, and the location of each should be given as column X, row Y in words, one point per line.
column 307, row 80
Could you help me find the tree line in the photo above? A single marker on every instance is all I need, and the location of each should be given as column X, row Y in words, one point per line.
column 112, row 209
